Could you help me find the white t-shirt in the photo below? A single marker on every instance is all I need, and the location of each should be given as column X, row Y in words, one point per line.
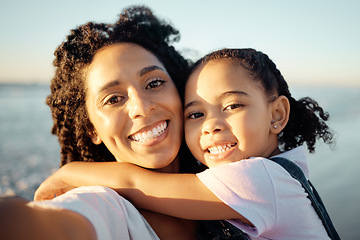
column 265, row 193
column 112, row 216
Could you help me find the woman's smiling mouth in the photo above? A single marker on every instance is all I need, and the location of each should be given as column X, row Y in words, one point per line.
column 147, row 135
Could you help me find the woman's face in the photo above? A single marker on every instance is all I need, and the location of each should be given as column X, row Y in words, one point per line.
column 134, row 106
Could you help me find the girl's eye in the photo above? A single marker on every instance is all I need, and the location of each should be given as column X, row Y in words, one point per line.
column 113, row 100
column 233, row 106
column 155, row 83
column 194, row 115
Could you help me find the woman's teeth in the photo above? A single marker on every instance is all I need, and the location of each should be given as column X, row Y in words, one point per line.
column 220, row 149
column 150, row 134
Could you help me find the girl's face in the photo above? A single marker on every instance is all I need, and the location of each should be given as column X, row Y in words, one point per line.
column 134, row 106
column 227, row 115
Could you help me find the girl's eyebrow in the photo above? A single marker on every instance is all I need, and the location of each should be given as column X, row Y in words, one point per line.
column 192, row 103
column 222, row 95
column 236, row 92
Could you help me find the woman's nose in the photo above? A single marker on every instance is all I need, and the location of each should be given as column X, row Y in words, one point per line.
column 139, row 105
column 212, row 126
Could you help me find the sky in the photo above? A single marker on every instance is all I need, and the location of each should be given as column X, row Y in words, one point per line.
column 313, row 42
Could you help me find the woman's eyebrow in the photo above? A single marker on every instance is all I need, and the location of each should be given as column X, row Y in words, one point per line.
column 148, row 69
column 142, row 72
column 109, row 85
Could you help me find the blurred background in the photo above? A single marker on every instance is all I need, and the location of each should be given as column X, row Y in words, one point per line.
column 315, row 44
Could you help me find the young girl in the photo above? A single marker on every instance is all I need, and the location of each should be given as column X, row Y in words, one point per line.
column 239, row 114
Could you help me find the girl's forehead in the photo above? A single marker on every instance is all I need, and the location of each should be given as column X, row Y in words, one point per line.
column 216, row 72
column 217, row 77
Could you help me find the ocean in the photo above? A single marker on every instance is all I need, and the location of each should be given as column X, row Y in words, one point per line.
column 29, row 153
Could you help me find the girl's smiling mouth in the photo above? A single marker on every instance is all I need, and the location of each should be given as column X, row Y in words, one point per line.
column 219, row 152
column 215, row 150
column 147, row 135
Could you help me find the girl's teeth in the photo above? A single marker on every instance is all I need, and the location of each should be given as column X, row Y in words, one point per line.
column 219, row 149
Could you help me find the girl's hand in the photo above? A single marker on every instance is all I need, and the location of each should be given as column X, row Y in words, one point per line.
column 53, row 186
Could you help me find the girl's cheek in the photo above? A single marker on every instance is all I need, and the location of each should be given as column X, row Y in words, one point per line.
column 189, row 138
column 194, row 145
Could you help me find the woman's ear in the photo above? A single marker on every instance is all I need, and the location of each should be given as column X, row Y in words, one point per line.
column 280, row 114
column 95, row 137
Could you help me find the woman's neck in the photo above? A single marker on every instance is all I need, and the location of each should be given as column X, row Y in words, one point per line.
column 173, row 167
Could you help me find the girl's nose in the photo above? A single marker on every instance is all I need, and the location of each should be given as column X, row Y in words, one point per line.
column 212, row 126
column 138, row 104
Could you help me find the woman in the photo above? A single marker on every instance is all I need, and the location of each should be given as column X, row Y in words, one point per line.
column 114, row 97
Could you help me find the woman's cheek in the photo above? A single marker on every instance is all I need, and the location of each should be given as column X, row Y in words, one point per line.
column 111, row 125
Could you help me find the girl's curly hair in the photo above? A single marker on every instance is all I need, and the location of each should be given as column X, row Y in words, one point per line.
column 67, row 99
column 307, row 119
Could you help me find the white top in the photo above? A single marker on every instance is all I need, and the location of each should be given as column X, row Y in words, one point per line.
column 112, row 216
column 265, row 193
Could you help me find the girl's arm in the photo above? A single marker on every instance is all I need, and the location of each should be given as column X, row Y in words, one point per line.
column 178, row 195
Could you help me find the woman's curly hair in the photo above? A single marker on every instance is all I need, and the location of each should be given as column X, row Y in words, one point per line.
column 307, row 119
column 67, row 99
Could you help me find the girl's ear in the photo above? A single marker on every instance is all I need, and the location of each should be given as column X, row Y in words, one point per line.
column 95, row 137
column 280, row 114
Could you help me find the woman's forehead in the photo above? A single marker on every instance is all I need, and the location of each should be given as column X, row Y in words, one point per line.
column 124, row 51
column 121, row 61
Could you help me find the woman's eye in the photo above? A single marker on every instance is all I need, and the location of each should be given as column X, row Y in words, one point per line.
column 194, row 115
column 233, row 106
column 113, row 100
column 155, row 83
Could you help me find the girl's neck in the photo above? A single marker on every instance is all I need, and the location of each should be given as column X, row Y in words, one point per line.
column 173, row 167
column 275, row 152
